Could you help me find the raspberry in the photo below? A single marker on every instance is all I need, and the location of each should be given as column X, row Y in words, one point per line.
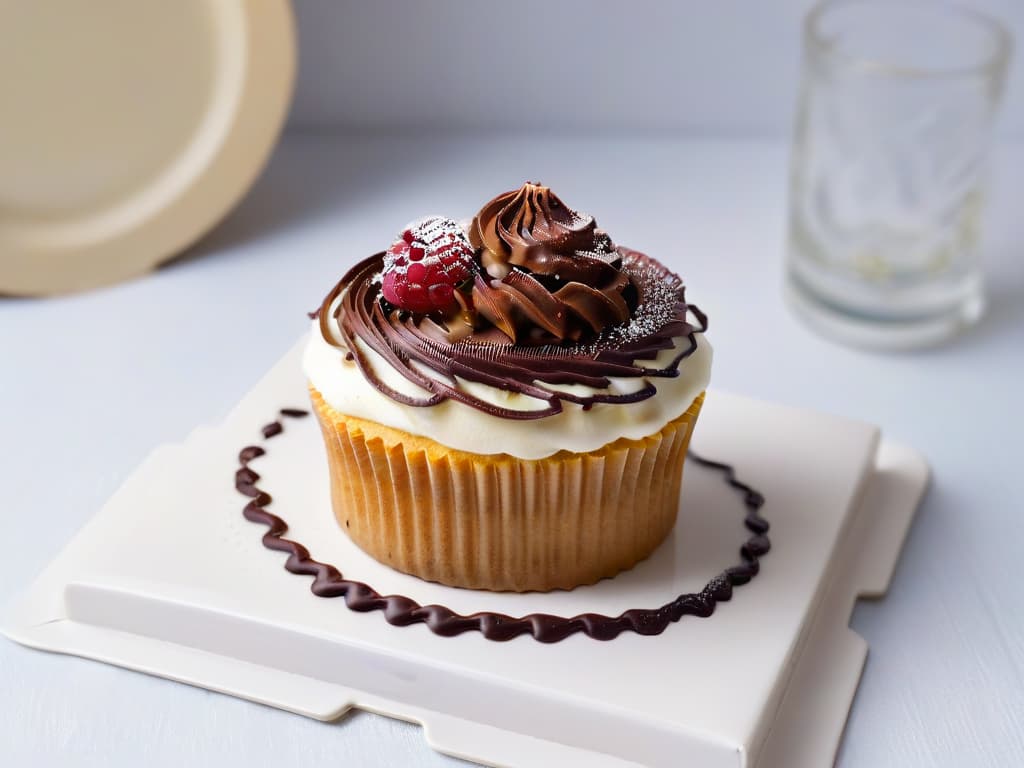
column 426, row 264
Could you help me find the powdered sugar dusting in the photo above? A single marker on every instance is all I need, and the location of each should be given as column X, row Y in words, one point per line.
column 424, row 267
column 440, row 240
column 432, row 230
column 604, row 249
column 661, row 293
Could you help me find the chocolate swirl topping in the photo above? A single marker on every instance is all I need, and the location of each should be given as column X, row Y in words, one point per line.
column 422, row 353
column 550, row 273
column 553, row 303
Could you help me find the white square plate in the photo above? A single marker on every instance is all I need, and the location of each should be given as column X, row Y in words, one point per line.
column 170, row 579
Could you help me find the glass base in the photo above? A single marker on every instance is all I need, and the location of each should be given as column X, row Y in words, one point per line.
column 884, row 334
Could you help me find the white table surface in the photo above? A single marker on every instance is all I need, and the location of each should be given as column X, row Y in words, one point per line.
column 92, row 383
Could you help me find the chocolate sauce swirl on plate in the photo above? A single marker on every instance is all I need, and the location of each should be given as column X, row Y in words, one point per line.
column 401, row 611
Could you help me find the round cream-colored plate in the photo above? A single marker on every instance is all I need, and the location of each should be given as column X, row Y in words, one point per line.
column 129, row 128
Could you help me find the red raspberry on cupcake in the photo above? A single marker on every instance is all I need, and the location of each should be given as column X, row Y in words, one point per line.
column 425, row 266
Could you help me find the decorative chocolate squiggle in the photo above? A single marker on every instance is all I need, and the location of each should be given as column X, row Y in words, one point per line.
column 410, row 346
column 546, row 628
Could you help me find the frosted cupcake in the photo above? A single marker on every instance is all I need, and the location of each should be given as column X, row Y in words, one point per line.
column 508, row 407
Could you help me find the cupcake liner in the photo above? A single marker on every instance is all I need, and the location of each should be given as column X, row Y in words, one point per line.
column 498, row 522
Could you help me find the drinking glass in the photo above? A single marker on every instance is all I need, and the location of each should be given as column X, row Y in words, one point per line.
column 888, row 169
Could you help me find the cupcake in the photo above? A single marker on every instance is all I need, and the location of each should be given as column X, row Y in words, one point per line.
column 507, row 405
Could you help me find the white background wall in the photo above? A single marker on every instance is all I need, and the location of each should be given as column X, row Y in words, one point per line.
column 706, row 66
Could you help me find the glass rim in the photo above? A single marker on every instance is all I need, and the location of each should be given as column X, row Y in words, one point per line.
column 993, row 60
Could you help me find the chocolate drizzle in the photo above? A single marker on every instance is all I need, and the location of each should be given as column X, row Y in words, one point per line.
column 403, row 611
column 421, row 353
column 550, row 301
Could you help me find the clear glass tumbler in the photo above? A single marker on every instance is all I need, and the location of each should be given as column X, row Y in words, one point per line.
column 888, row 169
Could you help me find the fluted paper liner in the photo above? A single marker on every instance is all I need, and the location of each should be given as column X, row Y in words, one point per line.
column 498, row 522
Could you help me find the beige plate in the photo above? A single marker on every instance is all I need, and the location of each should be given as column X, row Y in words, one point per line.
column 129, row 128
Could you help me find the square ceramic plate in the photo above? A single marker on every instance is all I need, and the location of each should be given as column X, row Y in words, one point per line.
column 170, row 579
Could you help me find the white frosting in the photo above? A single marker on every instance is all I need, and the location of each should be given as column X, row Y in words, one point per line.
column 463, row 427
